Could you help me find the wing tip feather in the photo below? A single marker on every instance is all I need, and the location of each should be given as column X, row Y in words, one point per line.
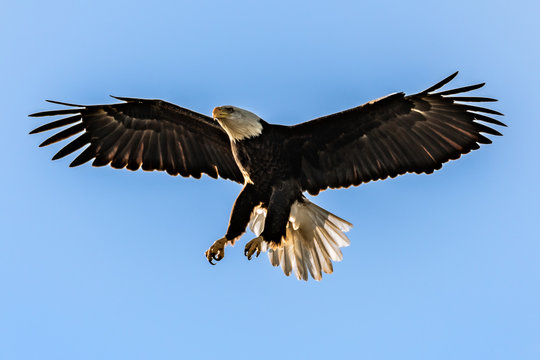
column 441, row 83
column 63, row 103
column 126, row 99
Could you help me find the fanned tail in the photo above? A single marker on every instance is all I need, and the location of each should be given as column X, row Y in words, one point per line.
column 312, row 241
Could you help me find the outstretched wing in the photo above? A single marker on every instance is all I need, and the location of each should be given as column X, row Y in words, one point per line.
column 151, row 134
column 391, row 136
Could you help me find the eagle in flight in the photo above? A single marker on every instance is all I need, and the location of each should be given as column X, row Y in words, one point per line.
column 276, row 164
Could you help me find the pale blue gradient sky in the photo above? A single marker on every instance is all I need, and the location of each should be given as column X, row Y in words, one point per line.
column 108, row 264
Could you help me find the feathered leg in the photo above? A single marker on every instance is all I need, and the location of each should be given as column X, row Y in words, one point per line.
column 240, row 215
column 277, row 217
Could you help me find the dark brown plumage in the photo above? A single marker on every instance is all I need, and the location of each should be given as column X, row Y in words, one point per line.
column 391, row 136
column 151, row 134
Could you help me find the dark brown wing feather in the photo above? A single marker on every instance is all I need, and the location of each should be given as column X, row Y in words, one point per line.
column 391, row 136
column 151, row 134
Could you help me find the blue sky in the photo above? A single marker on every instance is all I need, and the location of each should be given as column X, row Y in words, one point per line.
column 97, row 263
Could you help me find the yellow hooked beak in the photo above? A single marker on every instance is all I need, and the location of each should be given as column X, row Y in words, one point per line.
column 219, row 113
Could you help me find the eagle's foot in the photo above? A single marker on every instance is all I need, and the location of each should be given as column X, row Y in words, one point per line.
column 255, row 246
column 216, row 251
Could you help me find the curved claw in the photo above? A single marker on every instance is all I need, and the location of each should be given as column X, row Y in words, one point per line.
column 209, row 257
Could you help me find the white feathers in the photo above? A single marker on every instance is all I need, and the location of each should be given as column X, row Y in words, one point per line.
column 313, row 240
column 238, row 123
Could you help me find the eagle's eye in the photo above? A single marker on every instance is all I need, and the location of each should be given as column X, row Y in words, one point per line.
column 228, row 108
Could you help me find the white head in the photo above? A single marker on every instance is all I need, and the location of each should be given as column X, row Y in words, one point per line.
column 239, row 124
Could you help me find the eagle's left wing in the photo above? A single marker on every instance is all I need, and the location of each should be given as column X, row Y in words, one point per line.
column 390, row 136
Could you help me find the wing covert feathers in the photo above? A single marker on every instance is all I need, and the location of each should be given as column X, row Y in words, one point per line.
column 313, row 240
column 141, row 133
column 391, row 136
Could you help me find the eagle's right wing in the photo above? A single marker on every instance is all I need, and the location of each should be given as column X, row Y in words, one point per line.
column 151, row 134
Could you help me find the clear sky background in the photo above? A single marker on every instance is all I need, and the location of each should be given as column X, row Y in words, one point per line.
column 97, row 263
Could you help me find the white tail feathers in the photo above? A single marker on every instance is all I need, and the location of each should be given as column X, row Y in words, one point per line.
column 312, row 241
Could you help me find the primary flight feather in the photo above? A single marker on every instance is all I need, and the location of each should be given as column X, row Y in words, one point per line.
column 277, row 164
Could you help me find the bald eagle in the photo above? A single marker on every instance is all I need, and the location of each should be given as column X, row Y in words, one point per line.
column 277, row 164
